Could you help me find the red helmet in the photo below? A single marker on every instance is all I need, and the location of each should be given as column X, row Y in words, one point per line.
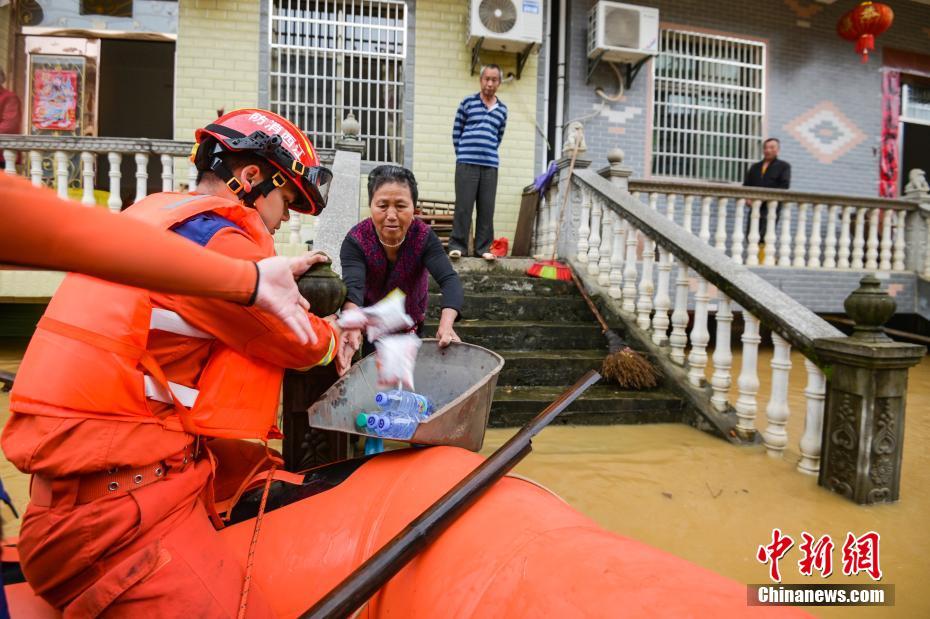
column 273, row 138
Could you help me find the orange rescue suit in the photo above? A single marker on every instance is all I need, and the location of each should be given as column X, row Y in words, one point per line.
column 118, row 377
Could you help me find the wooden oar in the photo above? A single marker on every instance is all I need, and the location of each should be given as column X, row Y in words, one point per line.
column 371, row 575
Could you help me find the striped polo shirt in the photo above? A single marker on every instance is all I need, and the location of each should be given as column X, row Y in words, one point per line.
column 477, row 131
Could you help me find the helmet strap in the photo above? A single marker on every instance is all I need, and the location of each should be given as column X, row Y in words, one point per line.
column 248, row 198
column 232, row 182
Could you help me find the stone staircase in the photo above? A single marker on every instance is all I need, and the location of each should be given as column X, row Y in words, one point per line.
column 548, row 338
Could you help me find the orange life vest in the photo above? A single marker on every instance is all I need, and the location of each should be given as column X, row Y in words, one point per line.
column 88, row 357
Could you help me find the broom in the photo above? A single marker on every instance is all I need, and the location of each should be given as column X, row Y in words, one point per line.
column 623, row 365
column 553, row 269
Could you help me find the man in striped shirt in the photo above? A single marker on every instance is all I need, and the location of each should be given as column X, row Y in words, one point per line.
column 476, row 134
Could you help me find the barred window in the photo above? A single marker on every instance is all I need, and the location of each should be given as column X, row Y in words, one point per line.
column 329, row 58
column 709, row 105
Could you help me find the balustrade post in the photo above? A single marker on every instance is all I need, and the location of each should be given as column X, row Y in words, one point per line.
column 771, row 250
column 192, row 175
column 584, row 229
column 700, row 336
column 723, row 356
column 679, row 337
column 775, row 437
column 87, row 178
column 704, row 230
column 748, row 381
column 784, row 252
column 294, row 229
column 900, row 233
column 616, row 256
column 917, row 225
column 844, row 260
column 603, row 265
column 864, row 420
column 813, row 254
column 9, row 158
column 61, row 174
column 35, row 167
column 859, row 239
column 663, row 301
column 594, row 239
column 629, row 269
column 646, row 285
column 688, row 215
column 800, row 236
column 871, row 246
column 752, row 249
column 720, row 236
column 736, row 245
column 813, row 422
column 142, row 176
column 167, row 173
column 115, row 201
column 884, row 253
column 829, row 254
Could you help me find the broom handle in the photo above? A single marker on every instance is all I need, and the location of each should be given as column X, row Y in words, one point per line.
column 587, row 299
column 568, row 188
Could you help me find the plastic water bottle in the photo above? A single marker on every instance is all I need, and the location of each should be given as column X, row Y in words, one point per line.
column 388, row 424
column 399, row 401
column 395, row 424
column 367, row 422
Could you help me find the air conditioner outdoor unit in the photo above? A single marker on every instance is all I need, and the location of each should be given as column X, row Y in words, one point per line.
column 506, row 25
column 622, row 32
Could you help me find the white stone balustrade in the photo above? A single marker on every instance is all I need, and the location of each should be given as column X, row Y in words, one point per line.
column 808, row 237
column 802, row 230
column 88, row 169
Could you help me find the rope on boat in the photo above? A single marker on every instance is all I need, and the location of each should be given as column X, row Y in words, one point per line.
column 247, row 583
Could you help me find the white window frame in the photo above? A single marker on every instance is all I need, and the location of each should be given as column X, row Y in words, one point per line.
column 332, row 57
column 714, row 131
column 913, row 111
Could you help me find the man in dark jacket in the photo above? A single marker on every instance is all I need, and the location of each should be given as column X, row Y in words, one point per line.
column 772, row 173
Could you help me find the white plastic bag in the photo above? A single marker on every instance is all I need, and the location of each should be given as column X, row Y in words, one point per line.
column 387, row 316
column 395, row 360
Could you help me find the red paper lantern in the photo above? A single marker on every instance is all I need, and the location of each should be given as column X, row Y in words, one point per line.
column 863, row 23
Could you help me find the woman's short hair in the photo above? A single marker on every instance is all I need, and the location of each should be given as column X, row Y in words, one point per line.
column 384, row 174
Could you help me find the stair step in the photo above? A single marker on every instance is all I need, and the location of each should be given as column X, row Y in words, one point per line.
column 600, row 405
column 482, row 283
column 507, row 307
column 525, row 335
column 540, row 367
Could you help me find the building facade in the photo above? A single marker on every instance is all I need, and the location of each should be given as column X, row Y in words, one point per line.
column 727, row 75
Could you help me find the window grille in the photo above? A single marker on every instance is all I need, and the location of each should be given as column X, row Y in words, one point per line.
column 709, row 106
column 332, row 57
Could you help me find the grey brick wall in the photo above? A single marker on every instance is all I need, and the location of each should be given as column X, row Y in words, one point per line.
column 807, row 67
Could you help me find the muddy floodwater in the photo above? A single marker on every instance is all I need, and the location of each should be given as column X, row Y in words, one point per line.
column 700, row 498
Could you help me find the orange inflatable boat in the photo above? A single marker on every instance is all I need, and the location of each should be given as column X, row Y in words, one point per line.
column 519, row 551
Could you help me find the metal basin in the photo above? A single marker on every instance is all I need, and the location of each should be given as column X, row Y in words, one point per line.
column 460, row 381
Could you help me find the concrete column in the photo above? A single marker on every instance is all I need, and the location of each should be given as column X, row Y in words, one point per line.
column 863, row 432
column 342, row 206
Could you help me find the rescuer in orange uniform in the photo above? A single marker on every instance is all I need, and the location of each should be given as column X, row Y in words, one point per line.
column 126, row 401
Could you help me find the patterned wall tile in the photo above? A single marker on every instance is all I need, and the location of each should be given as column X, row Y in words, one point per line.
column 825, row 132
column 621, row 116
